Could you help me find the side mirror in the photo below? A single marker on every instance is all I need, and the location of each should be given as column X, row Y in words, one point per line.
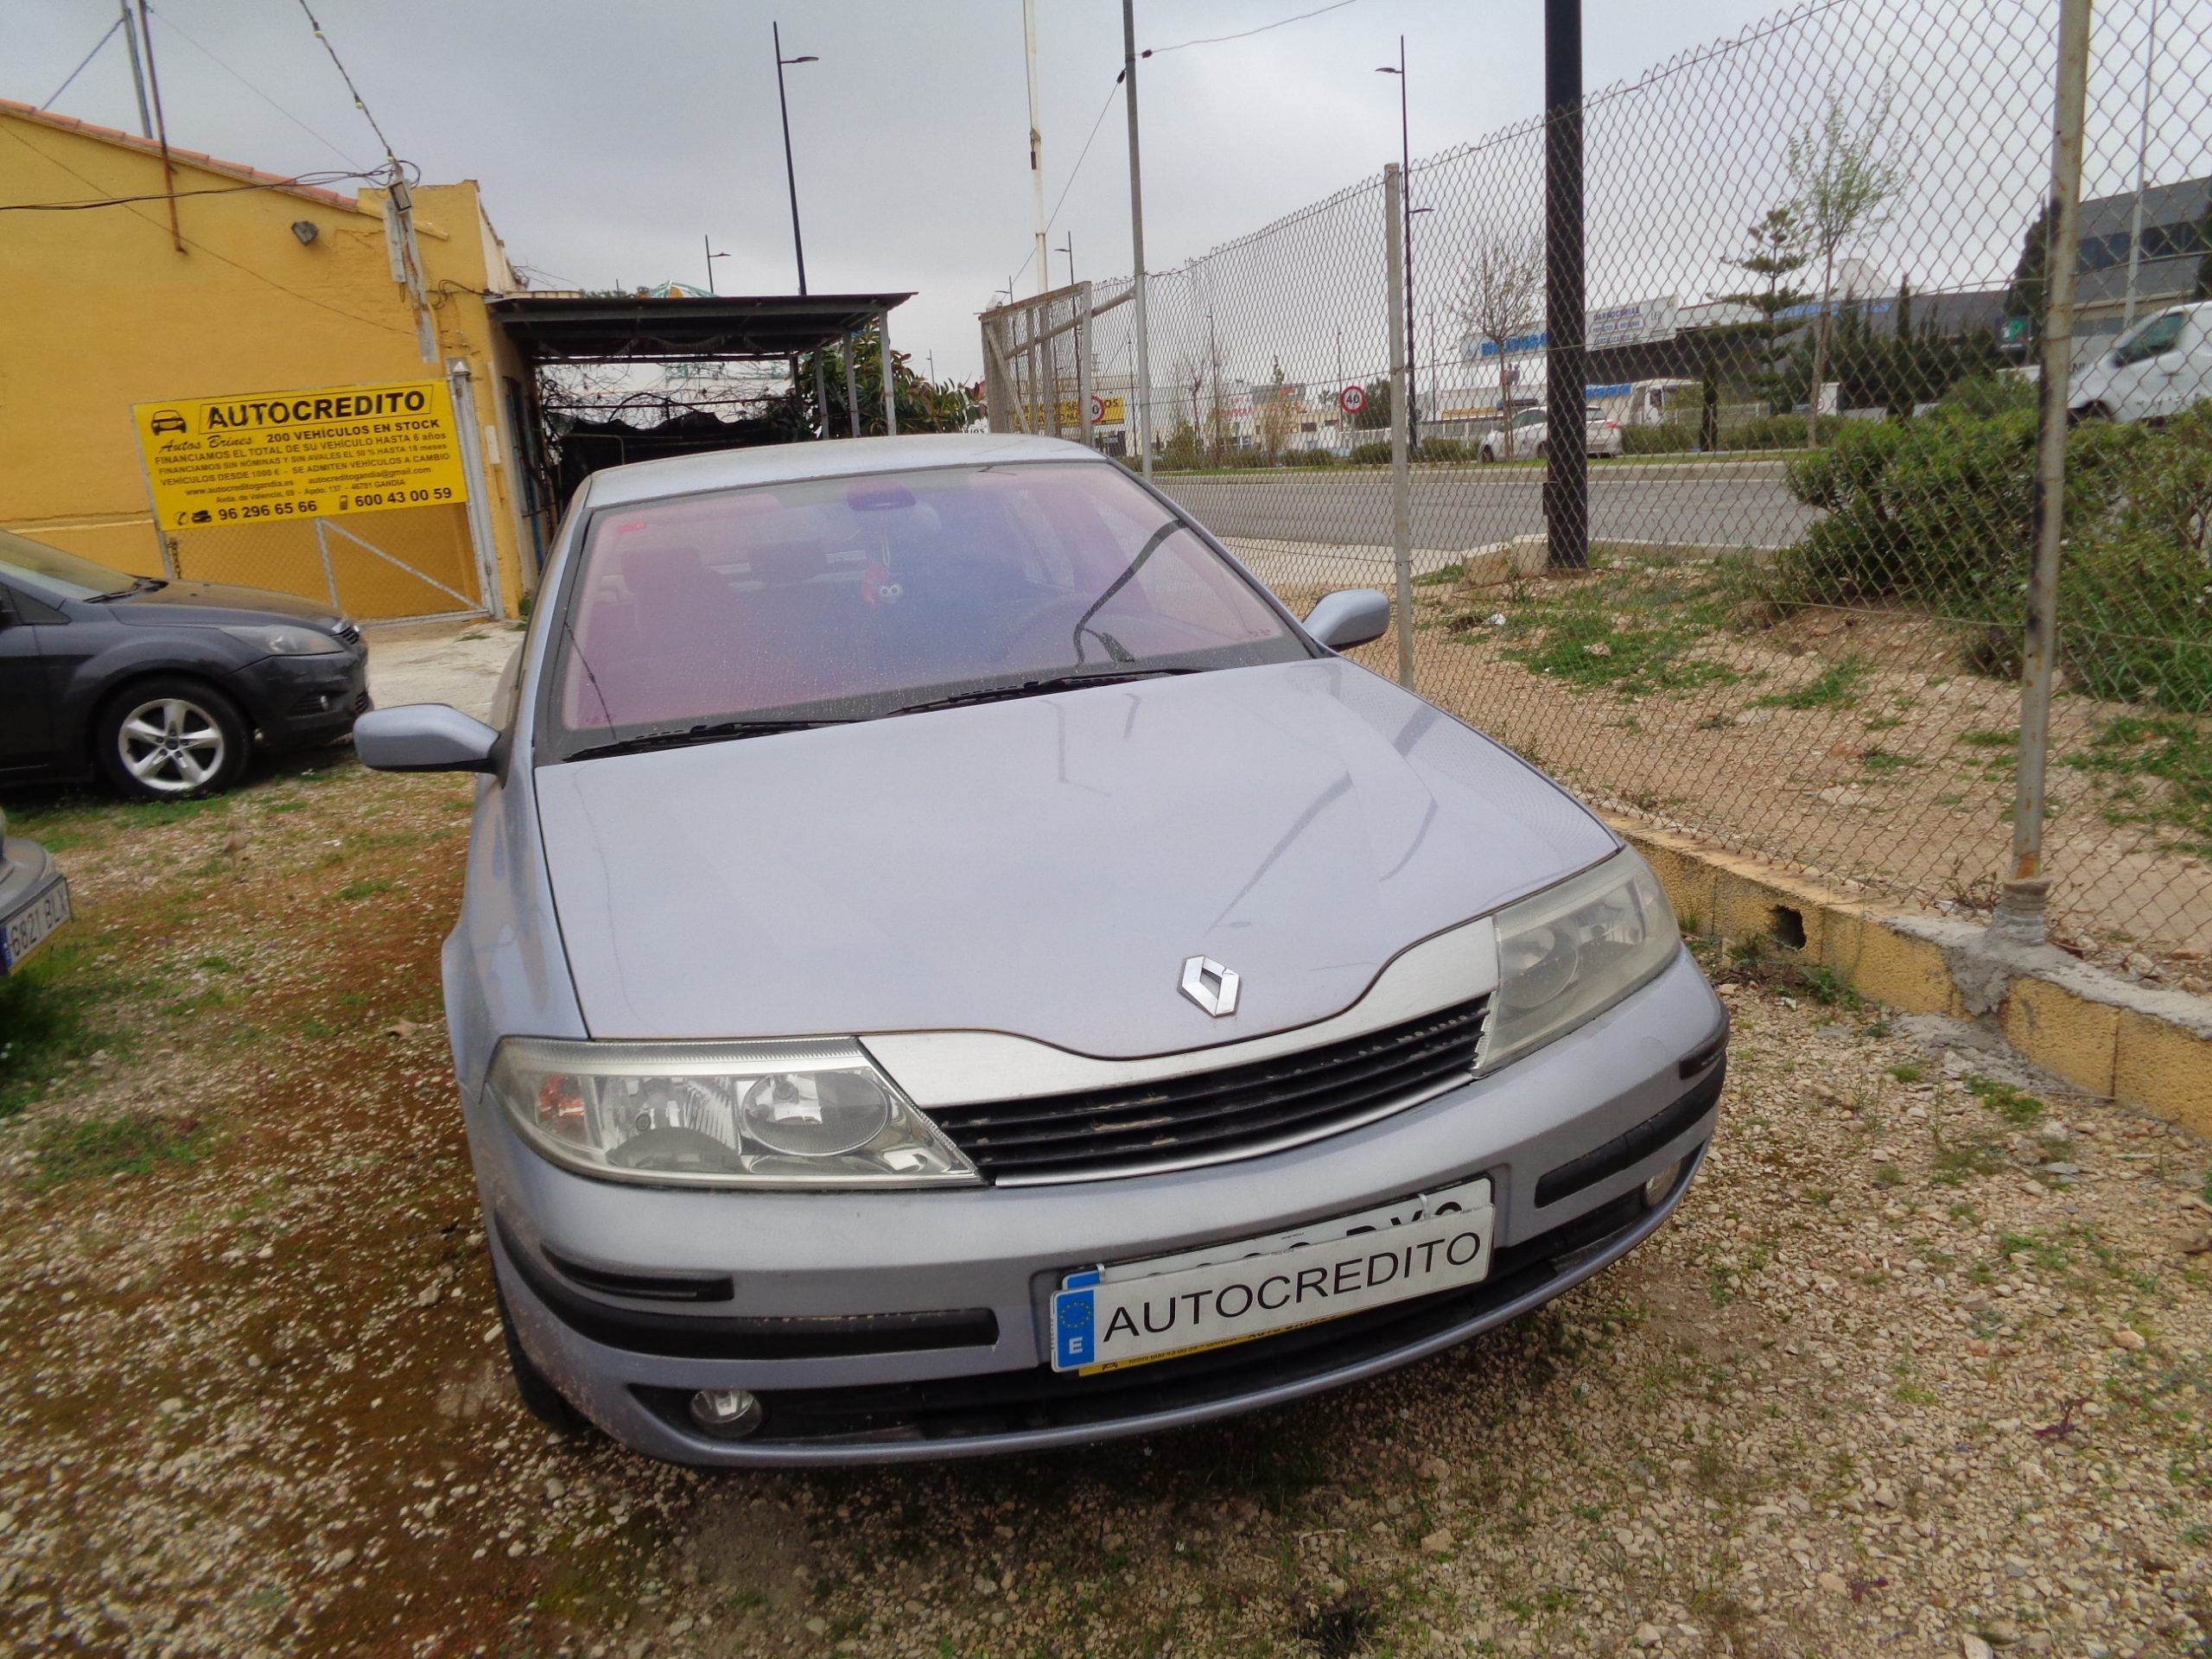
column 424, row 737
column 1348, row 617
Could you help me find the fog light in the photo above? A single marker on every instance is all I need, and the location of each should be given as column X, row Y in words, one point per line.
column 1654, row 1194
column 727, row 1414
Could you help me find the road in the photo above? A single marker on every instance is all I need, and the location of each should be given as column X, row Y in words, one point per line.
column 1714, row 504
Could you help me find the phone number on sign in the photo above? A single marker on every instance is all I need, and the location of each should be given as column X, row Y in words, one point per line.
column 268, row 510
column 395, row 498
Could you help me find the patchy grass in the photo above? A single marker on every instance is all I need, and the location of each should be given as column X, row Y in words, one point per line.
column 1836, row 686
column 129, row 1144
column 1631, row 627
column 2165, row 766
column 48, row 1021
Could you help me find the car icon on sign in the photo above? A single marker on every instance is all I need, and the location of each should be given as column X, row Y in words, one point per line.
column 168, row 420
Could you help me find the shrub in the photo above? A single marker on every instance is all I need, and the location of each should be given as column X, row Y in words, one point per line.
column 1939, row 512
column 1444, row 449
column 1371, row 455
column 1782, row 432
column 1309, row 458
column 1667, row 438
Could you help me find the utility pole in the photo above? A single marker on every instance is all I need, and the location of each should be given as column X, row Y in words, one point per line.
column 1143, row 387
column 798, row 246
column 708, row 242
column 137, row 72
column 1036, row 142
column 1566, row 467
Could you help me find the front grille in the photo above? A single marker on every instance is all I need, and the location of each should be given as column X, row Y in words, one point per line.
column 347, row 631
column 1209, row 1116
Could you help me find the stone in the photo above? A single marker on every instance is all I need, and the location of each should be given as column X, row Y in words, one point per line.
column 1437, row 1543
column 2001, row 1632
column 1832, row 1583
column 1647, row 1636
column 1972, row 1647
column 2130, row 1340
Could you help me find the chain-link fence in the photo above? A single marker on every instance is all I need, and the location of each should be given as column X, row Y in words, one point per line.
column 1817, row 275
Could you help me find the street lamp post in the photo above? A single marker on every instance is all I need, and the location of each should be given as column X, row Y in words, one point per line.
column 791, row 174
column 708, row 242
column 1405, row 168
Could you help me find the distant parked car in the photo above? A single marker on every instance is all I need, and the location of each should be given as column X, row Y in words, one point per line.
column 1600, row 436
column 34, row 898
column 2158, row 369
column 164, row 689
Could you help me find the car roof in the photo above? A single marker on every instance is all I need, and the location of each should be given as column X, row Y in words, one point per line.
column 784, row 463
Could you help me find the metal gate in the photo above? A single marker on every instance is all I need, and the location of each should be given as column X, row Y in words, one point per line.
column 413, row 563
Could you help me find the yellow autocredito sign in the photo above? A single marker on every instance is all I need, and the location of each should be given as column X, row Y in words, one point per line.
column 264, row 457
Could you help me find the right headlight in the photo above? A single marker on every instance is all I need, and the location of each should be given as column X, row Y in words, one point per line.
column 1573, row 951
column 762, row 1114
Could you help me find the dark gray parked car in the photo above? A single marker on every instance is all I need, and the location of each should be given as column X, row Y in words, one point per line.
column 949, row 964
column 164, row 689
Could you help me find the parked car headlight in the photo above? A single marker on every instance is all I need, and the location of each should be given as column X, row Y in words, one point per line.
column 1573, row 951
column 282, row 640
column 723, row 1115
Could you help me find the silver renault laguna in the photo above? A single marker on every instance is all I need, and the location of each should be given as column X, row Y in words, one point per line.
column 950, row 965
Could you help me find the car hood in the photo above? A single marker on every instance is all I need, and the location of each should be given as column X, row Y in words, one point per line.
column 211, row 603
column 1044, row 867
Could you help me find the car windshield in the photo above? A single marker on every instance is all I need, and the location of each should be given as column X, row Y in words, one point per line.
column 55, row 574
column 826, row 599
column 2159, row 334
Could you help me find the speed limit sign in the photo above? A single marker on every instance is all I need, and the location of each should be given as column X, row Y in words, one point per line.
column 1352, row 399
column 1098, row 410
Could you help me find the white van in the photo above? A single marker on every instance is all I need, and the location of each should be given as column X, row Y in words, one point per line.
column 2160, row 368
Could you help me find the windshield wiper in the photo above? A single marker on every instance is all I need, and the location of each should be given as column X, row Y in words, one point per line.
column 1039, row 688
column 138, row 585
column 715, row 732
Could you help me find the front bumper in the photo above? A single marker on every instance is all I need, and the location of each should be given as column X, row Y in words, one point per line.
column 298, row 701
column 898, row 1326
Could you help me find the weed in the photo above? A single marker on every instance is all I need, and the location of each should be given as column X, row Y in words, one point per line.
column 2013, row 1105
column 1341, row 1627
column 129, row 1144
column 2177, row 753
column 1907, row 1072
column 1880, row 761
column 364, row 889
column 1985, row 739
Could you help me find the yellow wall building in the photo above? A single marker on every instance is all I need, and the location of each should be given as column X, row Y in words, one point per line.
column 265, row 286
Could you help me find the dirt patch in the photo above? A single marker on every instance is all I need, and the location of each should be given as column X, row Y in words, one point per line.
column 1915, row 1359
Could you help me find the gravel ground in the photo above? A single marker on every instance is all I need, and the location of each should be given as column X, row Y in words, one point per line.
column 1920, row 1366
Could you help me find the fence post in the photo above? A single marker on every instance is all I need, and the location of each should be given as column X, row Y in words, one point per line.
column 890, row 372
column 2021, row 905
column 1393, row 242
column 1083, row 365
column 329, row 575
column 477, row 510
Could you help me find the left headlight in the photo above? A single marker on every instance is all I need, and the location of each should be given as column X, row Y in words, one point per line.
column 282, row 640
column 806, row 1114
column 1572, row 951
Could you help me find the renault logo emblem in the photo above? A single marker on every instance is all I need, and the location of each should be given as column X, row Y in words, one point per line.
column 1210, row 985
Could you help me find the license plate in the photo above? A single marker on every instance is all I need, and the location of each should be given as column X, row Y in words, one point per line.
column 1137, row 1312
column 25, row 930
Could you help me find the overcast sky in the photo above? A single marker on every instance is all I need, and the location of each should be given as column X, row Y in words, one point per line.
column 609, row 137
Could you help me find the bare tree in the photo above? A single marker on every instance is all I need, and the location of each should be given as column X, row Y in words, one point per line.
column 1846, row 174
column 1502, row 300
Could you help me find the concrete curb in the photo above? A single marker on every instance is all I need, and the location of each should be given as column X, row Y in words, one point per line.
column 2138, row 1044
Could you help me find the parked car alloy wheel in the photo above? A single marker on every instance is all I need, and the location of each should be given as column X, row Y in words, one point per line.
column 163, row 740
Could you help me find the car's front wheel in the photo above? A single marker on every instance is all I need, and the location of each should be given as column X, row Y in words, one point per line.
column 169, row 739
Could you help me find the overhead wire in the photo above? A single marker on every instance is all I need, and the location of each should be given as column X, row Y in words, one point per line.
column 205, row 51
column 1053, row 217
column 302, row 181
column 359, row 102
column 81, row 67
